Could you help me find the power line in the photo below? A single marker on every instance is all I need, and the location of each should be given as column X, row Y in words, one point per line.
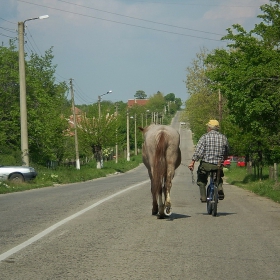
column 7, row 20
column 33, row 41
column 140, row 19
column 197, row 4
column 6, row 35
column 8, row 29
column 127, row 24
column 31, row 45
column 80, row 90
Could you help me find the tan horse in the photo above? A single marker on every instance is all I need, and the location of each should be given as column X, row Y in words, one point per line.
column 161, row 156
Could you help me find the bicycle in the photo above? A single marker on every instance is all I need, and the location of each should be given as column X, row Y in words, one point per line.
column 212, row 192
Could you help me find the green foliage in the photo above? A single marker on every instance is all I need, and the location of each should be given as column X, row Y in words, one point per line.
column 140, row 94
column 268, row 188
column 203, row 103
column 65, row 175
column 9, row 99
column 247, row 74
column 46, row 104
column 169, row 97
column 49, row 137
column 100, row 132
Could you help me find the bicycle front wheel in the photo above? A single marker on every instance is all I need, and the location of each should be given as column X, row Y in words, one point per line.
column 215, row 202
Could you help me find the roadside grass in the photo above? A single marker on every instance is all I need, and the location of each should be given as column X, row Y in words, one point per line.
column 238, row 176
column 65, row 175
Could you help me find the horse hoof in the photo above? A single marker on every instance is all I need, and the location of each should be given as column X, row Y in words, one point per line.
column 167, row 211
column 161, row 216
column 154, row 213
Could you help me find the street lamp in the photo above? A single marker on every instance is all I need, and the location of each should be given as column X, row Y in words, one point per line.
column 147, row 116
column 117, row 135
column 99, row 99
column 127, row 137
column 135, row 134
column 22, row 82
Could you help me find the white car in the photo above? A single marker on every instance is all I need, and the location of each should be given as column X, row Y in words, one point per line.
column 17, row 174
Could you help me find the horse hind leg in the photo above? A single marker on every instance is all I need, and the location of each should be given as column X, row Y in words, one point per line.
column 155, row 206
column 155, row 203
column 167, row 203
column 161, row 204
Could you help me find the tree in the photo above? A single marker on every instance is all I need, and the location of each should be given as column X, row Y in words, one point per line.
column 203, row 103
column 140, row 94
column 248, row 75
column 46, row 103
column 96, row 133
column 169, row 97
column 197, row 81
column 9, row 98
column 156, row 102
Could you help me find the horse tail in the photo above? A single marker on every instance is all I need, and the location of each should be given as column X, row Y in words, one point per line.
column 160, row 164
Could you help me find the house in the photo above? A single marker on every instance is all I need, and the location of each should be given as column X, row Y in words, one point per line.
column 140, row 102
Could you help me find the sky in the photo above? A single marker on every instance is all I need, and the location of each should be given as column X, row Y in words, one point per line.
column 124, row 45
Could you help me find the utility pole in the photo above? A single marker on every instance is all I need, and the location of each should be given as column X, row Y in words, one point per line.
column 23, row 107
column 116, row 135
column 127, row 137
column 135, row 134
column 22, row 89
column 99, row 100
column 75, row 126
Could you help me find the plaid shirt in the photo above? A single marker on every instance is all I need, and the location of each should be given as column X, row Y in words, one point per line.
column 212, row 147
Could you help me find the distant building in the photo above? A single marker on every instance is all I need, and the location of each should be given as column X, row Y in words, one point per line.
column 140, row 102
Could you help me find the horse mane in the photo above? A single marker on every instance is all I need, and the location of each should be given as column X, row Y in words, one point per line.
column 160, row 165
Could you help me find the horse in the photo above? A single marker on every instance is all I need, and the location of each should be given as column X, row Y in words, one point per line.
column 161, row 155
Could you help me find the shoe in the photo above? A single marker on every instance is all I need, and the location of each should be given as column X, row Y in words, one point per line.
column 221, row 194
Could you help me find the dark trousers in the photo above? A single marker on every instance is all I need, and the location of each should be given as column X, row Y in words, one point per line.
column 203, row 172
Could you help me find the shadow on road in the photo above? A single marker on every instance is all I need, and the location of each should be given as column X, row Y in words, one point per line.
column 218, row 214
column 176, row 216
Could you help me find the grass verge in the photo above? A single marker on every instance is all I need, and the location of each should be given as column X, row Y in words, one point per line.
column 65, row 175
column 238, row 176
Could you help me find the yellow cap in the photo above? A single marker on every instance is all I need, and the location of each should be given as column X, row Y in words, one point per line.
column 213, row 123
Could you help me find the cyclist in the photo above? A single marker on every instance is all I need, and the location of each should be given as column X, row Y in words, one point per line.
column 211, row 149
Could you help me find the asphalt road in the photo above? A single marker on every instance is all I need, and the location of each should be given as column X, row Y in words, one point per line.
column 103, row 229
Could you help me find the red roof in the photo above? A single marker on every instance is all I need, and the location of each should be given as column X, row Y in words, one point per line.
column 140, row 102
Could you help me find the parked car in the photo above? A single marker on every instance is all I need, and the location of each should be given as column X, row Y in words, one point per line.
column 241, row 162
column 17, row 174
column 230, row 160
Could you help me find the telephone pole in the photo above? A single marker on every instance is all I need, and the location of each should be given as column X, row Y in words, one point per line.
column 23, row 107
column 117, row 153
column 22, row 90
column 135, row 134
column 75, row 126
column 127, row 137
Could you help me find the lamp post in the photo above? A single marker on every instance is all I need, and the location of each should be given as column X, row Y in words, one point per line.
column 127, row 137
column 147, row 116
column 117, row 135
column 99, row 99
column 22, row 82
column 135, row 133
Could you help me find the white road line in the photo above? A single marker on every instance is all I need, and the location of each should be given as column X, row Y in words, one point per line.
column 62, row 222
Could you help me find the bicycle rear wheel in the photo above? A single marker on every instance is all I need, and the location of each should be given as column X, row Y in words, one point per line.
column 215, row 202
column 209, row 201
